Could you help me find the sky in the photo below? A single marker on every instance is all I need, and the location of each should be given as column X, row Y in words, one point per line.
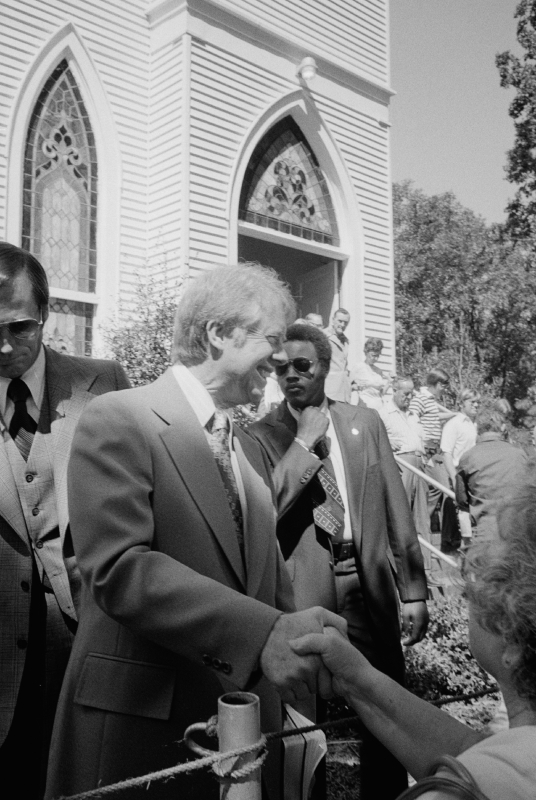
column 450, row 124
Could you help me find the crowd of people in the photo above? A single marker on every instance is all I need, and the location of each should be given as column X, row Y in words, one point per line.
column 154, row 555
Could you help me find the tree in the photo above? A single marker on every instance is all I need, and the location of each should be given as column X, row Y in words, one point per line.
column 141, row 341
column 520, row 74
column 464, row 294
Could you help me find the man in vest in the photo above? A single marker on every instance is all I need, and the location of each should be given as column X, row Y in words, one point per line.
column 42, row 395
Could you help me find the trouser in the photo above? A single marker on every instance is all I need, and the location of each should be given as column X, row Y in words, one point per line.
column 417, row 493
column 50, row 636
column 382, row 776
column 450, row 529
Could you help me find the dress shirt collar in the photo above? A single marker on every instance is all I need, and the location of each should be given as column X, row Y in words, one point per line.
column 34, row 378
column 392, row 408
column 490, row 436
column 197, row 395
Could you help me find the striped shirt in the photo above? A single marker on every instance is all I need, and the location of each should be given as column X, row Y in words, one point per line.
column 424, row 405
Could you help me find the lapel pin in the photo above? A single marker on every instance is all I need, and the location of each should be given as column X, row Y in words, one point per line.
column 355, row 431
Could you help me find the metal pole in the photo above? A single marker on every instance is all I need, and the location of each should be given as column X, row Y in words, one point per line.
column 427, row 478
column 443, row 556
column 239, row 725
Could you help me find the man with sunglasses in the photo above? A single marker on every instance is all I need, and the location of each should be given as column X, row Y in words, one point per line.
column 345, row 526
column 42, row 394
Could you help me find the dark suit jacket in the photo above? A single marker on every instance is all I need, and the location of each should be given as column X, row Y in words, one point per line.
column 71, row 383
column 170, row 617
column 487, row 474
column 383, row 532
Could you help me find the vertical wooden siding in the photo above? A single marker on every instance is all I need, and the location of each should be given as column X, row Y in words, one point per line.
column 354, row 31
column 116, row 35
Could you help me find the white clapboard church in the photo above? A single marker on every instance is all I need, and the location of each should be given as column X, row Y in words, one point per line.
column 173, row 135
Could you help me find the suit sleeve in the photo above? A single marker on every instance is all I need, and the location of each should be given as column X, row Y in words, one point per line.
column 410, row 577
column 292, row 472
column 111, row 495
column 121, row 378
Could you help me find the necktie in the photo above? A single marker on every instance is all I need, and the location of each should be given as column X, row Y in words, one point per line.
column 218, row 439
column 328, row 514
column 22, row 427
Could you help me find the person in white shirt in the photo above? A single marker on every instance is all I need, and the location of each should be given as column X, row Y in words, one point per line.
column 406, row 437
column 459, row 436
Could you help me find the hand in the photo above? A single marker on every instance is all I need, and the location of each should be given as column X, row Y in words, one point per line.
column 293, row 676
column 312, row 426
column 414, row 622
column 342, row 659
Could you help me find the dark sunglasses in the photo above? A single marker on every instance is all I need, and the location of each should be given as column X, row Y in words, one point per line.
column 22, row 328
column 299, row 364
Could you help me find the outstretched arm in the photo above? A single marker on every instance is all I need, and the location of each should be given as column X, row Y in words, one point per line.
column 415, row 732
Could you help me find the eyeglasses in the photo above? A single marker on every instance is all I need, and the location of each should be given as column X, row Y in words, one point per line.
column 299, row 364
column 22, row 328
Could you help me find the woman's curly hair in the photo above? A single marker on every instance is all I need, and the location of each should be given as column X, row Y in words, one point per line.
column 501, row 581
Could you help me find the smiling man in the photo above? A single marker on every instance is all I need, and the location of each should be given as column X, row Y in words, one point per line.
column 344, row 523
column 174, row 528
column 42, row 394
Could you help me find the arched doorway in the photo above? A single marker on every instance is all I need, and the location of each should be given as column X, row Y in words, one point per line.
column 287, row 218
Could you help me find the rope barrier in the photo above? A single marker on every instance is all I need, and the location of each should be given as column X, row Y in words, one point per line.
column 238, row 774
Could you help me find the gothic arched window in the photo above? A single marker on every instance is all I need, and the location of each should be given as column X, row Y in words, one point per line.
column 59, row 216
column 284, row 188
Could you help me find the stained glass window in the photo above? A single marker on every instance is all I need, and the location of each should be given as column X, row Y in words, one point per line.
column 59, row 216
column 284, row 188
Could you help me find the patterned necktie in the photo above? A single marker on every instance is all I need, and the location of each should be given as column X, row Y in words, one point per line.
column 329, row 514
column 22, row 427
column 218, row 439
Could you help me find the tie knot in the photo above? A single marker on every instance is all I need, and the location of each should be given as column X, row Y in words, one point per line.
column 220, row 421
column 17, row 391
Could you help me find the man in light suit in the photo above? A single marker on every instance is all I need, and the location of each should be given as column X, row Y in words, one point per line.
column 38, row 577
column 345, row 526
column 173, row 525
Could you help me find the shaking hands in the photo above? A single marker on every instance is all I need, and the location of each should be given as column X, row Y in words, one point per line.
column 296, row 674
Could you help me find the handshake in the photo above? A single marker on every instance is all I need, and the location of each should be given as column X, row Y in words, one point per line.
column 294, row 669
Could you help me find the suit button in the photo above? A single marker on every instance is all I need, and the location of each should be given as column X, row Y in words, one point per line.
column 216, row 663
column 29, row 478
column 25, row 586
column 303, row 480
column 35, row 512
column 39, row 545
column 207, row 661
column 22, row 644
column 226, row 668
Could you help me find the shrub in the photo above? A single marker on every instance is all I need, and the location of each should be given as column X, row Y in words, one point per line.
column 442, row 665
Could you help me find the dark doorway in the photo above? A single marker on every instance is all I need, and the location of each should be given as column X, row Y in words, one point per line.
column 314, row 279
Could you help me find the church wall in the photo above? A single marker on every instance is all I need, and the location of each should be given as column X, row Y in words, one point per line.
column 364, row 145
column 168, row 150
column 351, row 33
column 116, row 37
column 227, row 94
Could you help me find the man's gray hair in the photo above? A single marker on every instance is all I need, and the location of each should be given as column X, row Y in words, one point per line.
column 235, row 296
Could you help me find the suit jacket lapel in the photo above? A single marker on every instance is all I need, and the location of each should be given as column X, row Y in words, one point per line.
column 67, row 386
column 10, row 507
column 261, row 515
column 187, row 446
column 354, row 456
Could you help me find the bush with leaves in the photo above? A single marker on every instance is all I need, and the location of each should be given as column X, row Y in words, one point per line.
column 141, row 341
column 442, row 665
